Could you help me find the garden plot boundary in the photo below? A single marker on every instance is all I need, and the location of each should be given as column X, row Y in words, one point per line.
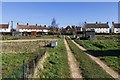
column 31, row 67
column 40, row 64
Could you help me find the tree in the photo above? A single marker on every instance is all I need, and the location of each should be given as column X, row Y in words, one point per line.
column 81, row 24
column 53, row 23
column 54, row 27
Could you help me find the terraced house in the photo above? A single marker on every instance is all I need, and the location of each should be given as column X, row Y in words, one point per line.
column 32, row 29
column 115, row 27
column 97, row 27
column 5, row 28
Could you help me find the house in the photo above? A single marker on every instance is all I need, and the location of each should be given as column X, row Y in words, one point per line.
column 97, row 27
column 115, row 27
column 68, row 30
column 27, row 30
column 79, row 30
column 5, row 28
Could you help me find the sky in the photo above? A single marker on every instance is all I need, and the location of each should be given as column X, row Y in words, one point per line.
column 65, row 13
column 60, row 0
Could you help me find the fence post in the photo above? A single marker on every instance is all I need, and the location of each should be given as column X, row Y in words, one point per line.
column 23, row 70
column 27, row 70
column 33, row 66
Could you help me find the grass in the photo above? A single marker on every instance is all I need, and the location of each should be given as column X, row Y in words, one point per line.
column 107, row 50
column 56, row 64
column 14, row 53
column 9, row 37
column 115, row 37
column 90, row 69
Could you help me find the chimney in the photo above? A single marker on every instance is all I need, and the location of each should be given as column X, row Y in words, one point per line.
column 12, row 24
column 96, row 22
column 107, row 22
column 112, row 22
column 44, row 25
column 27, row 24
column 85, row 22
column 17, row 23
column 36, row 24
column 40, row 25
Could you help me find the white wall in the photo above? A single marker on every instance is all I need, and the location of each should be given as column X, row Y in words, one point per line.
column 30, row 30
column 116, row 30
column 6, row 29
column 100, row 30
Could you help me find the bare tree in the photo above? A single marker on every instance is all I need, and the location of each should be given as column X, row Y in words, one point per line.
column 53, row 23
column 54, row 27
column 81, row 24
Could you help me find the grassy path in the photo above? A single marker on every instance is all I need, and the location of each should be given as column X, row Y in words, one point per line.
column 89, row 68
column 107, row 51
column 74, row 68
column 56, row 64
column 110, row 71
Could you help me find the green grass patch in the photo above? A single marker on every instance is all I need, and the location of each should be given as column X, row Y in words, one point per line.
column 115, row 37
column 107, row 50
column 14, row 53
column 56, row 64
column 9, row 37
column 90, row 69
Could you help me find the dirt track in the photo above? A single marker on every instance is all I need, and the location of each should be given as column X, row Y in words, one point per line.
column 110, row 71
column 74, row 68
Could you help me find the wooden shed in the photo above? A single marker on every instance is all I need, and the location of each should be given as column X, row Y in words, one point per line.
column 90, row 35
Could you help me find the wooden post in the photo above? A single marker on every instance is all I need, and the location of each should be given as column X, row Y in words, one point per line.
column 33, row 66
column 23, row 69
